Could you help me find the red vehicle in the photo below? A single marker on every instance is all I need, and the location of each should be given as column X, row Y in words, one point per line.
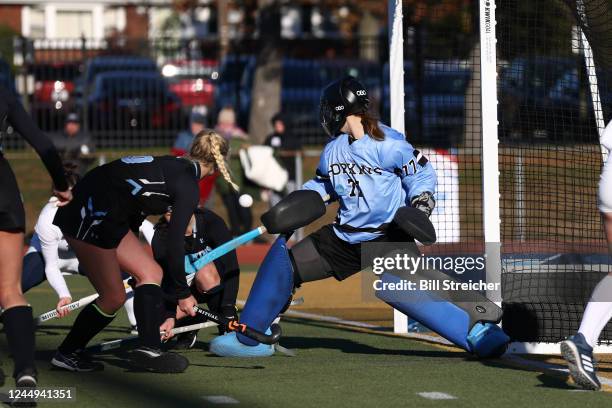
column 193, row 81
column 53, row 88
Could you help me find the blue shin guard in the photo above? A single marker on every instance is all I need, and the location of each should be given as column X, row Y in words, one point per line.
column 272, row 287
column 469, row 325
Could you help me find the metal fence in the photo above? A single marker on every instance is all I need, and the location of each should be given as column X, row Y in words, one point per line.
column 132, row 93
column 141, row 92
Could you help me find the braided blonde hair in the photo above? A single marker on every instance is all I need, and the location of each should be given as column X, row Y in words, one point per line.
column 211, row 148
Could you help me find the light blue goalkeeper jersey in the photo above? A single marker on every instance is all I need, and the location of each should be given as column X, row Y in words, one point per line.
column 371, row 180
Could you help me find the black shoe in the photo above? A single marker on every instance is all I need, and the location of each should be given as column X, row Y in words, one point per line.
column 75, row 361
column 186, row 340
column 157, row 361
column 25, row 379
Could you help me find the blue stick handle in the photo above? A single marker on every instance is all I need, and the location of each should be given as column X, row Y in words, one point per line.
column 227, row 247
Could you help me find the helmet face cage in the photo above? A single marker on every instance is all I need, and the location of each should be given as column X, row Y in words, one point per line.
column 331, row 120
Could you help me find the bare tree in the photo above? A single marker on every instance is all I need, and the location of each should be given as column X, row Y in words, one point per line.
column 266, row 92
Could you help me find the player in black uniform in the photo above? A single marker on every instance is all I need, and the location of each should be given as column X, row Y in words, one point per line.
column 17, row 315
column 110, row 203
column 215, row 283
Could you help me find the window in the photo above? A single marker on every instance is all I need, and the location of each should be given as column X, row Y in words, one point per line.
column 74, row 24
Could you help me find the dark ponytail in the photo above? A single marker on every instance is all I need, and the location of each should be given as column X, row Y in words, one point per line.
column 370, row 126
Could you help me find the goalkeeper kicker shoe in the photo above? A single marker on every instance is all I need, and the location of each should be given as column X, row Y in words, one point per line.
column 157, row 361
column 579, row 356
column 229, row 346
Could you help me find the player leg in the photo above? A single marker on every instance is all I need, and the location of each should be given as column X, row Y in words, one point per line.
column 148, row 307
column 206, row 288
column 230, row 280
column 129, row 311
column 33, row 271
column 274, row 283
column 17, row 315
column 227, row 269
column 104, row 274
column 280, row 273
column 578, row 349
column 466, row 318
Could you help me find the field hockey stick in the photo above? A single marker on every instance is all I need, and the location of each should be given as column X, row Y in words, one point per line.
column 52, row 314
column 231, row 245
column 207, row 258
column 116, row 344
column 234, row 325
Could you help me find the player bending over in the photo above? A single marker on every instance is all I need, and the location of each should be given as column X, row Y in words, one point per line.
column 375, row 174
column 49, row 257
column 215, row 283
column 578, row 349
column 110, row 202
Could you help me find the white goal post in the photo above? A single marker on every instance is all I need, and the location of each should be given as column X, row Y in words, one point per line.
column 396, row 94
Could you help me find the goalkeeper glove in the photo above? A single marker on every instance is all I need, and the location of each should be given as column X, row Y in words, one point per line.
column 424, row 202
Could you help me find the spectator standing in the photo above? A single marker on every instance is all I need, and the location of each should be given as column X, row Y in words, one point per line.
column 74, row 144
column 283, row 143
column 240, row 218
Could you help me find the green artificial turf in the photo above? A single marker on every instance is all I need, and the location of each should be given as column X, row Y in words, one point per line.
column 334, row 367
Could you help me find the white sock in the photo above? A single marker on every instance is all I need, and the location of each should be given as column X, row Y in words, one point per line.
column 598, row 311
column 129, row 309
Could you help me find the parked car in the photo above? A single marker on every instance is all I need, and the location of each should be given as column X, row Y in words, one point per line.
column 527, row 97
column 301, row 86
column 443, row 102
column 193, row 81
column 102, row 64
column 132, row 100
column 53, row 93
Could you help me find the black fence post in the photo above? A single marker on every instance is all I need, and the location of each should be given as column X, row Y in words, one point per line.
column 85, row 90
column 418, row 78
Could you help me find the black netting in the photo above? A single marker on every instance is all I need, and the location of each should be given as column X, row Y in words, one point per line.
column 554, row 249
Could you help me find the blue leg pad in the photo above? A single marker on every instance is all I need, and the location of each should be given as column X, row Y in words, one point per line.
column 445, row 318
column 488, row 340
column 451, row 321
column 271, row 289
column 229, row 346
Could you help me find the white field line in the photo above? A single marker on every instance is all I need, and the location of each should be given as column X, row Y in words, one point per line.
column 220, row 399
column 436, row 395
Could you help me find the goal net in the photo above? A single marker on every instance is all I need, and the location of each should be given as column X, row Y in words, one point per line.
column 554, row 71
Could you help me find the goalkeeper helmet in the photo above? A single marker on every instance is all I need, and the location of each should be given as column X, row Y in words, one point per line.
column 340, row 99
